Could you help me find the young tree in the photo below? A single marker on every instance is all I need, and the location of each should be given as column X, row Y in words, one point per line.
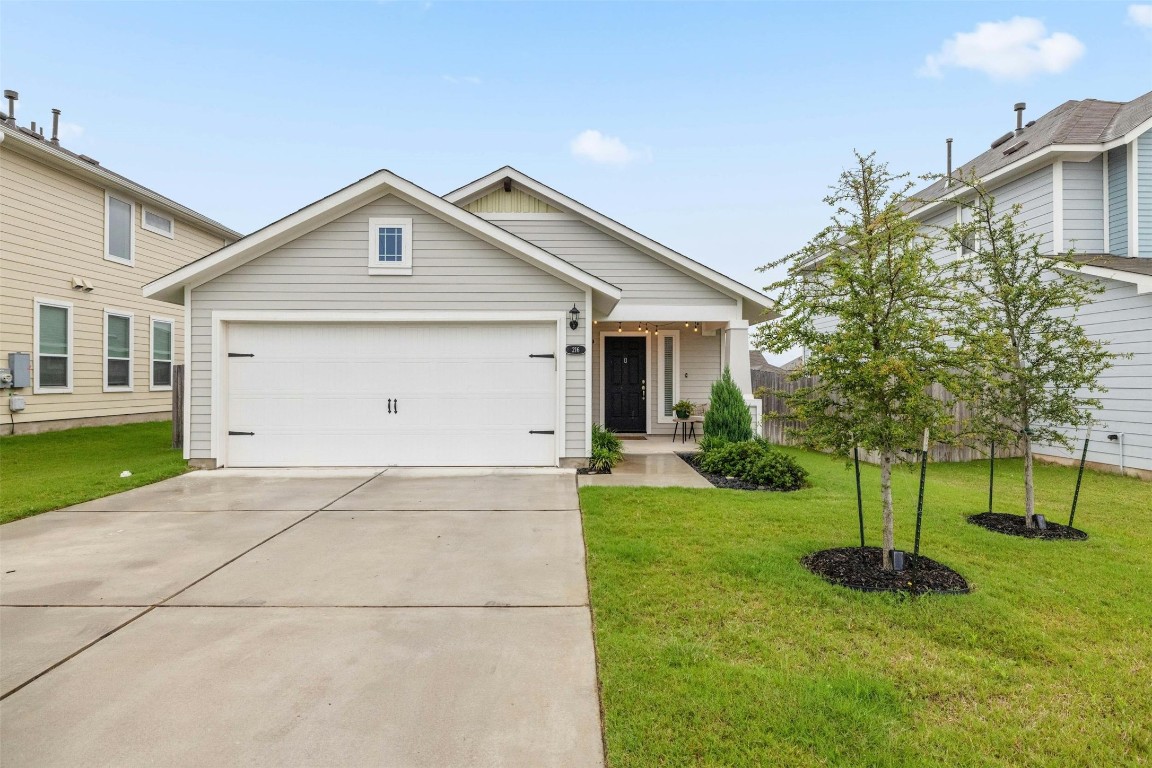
column 868, row 303
column 1035, row 367
column 727, row 416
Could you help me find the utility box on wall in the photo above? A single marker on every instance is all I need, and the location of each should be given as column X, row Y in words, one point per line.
column 20, row 364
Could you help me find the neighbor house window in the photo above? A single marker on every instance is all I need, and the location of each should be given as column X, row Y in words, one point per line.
column 157, row 222
column 117, row 351
column 389, row 246
column 669, row 351
column 161, row 353
column 119, row 234
column 53, row 321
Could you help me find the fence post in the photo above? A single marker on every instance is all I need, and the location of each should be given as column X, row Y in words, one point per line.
column 178, row 406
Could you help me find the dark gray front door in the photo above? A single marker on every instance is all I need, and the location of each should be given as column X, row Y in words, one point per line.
column 625, row 383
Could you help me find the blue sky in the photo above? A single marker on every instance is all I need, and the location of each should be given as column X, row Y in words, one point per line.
column 719, row 125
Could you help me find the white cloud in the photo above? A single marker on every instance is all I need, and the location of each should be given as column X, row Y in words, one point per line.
column 1140, row 15
column 462, row 80
column 1006, row 50
column 609, row 150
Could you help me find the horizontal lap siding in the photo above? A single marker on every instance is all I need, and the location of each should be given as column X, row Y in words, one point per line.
column 1118, row 201
column 327, row 270
column 1033, row 193
column 1122, row 318
column 1084, row 206
column 53, row 229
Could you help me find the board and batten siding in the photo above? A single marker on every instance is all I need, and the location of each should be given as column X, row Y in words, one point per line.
column 326, row 270
column 1118, row 201
column 515, row 201
column 1144, row 187
column 1083, row 206
column 53, row 230
column 641, row 278
column 1122, row 318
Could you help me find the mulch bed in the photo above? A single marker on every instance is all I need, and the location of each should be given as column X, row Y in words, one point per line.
column 1015, row 525
column 590, row 471
column 720, row 481
column 922, row 576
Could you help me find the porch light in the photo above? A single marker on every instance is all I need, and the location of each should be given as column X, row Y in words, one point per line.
column 619, row 327
column 574, row 315
column 697, row 328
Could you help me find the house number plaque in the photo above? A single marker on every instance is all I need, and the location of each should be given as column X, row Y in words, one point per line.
column 575, row 349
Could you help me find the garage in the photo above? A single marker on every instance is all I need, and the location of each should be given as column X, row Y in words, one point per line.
column 390, row 394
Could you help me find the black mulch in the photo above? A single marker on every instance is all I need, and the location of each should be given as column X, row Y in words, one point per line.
column 720, row 481
column 1016, row 525
column 844, row 566
column 590, row 471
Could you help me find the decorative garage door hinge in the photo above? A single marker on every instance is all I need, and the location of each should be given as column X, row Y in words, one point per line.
column 241, row 354
column 541, row 431
column 547, row 355
column 230, row 432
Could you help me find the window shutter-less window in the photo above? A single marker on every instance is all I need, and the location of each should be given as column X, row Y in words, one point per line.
column 53, row 357
column 669, row 375
column 119, row 351
column 161, row 354
column 119, row 229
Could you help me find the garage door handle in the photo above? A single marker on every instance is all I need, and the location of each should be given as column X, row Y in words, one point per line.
column 248, row 434
column 541, row 431
column 396, row 405
column 547, row 355
column 389, row 405
column 241, row 354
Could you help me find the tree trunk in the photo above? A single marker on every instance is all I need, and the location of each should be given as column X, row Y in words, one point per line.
column 886, row 496
column 1029, row 494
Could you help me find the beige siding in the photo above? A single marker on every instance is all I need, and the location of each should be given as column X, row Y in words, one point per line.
column 641, row 278
column 516, row 201
column 326, row 270
column 51, row 229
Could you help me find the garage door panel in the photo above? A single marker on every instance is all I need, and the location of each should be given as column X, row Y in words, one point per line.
column 465, row 395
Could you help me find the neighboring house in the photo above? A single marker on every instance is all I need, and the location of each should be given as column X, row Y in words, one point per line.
column 1082, row 176
column 384, row 325
column 792, row 364
column 77, row 242
column 758, row 363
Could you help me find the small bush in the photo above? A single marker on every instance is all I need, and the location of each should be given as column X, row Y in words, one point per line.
column 728, row 416
column 755, row 461
column 709, row 443
column 602, row 460
column 607, row 450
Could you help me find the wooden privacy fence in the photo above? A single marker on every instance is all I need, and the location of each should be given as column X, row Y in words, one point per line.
column 178, row 406
column 776, row 427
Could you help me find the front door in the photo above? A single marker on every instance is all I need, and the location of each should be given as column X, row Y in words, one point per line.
column 625, row 383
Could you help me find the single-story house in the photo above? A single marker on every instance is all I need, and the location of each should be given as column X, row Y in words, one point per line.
column 384, row 325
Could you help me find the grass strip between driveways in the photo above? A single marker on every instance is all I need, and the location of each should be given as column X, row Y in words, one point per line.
column 716, row 647
column 56, row 469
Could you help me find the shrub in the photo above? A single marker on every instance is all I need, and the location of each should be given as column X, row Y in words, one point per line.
column 709, row 443
column 602, row 460
column 755, row 461
column 728, row 416
column 607, row 451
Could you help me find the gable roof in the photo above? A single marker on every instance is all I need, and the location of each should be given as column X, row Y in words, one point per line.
column 25, row 141
column 758, row 362
column 757, row 306
column 373, row 187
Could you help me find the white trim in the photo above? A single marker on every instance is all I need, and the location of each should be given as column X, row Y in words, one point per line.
column 221, row 319
column 36, row 304
column 355, row 196
column 187, row 362
column 660, row 336
column 706, row 275
column 108, row 197
column 1133, row 182
column 168, row 233
column 1107, row 226
column 1058, row 207
column 627, row 312
column 152, row 320
column 131, row 351
column 1143, row 283
column 501, row 216
column 587, row 374
column 647, row 362
column 402, row 267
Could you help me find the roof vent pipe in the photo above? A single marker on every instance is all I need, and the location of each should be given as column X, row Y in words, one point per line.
column 12, row 96
column 948, row 183
column 1019, row 107
column 55, row 126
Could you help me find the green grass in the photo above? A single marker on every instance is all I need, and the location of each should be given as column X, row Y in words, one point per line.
column 716, row 647
column 55, row 469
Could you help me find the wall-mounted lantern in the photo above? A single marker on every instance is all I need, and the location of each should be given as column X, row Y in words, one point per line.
column 574, row 318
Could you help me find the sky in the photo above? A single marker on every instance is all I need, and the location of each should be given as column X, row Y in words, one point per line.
column 714, row 128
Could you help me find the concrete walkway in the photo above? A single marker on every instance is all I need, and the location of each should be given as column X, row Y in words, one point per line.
column 652, row 462
column 302, row 618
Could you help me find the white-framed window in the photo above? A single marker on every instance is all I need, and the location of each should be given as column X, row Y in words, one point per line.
column 389, row 246
column 53, row 330
column 160, row 223
column 119, row 229
column 668, row 374
column 117, row 351
column 160, row 373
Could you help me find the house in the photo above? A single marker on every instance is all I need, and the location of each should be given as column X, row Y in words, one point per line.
column 79, row 344
column 385, row 325
column 757, row 362
column 1082, row 176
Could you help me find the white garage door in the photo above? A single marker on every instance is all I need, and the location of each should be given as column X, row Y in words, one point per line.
column 373, row 394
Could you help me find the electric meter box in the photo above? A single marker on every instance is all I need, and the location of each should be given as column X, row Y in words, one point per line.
column 20, row 363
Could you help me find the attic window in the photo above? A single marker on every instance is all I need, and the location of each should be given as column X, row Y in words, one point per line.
column 389, row 246
column 154, row 221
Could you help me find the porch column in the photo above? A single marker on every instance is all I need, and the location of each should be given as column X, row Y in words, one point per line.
column 736, row 354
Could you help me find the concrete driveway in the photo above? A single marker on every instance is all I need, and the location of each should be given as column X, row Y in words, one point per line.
column 302, row 618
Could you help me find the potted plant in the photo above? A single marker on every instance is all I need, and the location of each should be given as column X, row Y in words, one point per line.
column 683, row 409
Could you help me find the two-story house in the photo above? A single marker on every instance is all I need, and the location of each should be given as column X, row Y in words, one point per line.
column 80, row 343
column 1082, row 176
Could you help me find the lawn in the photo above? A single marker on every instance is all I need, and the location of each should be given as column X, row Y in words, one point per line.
column 56, row 469
column 716, row 647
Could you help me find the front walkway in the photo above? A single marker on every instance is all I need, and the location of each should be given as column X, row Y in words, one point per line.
column 302, row 618
column 652, row 462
